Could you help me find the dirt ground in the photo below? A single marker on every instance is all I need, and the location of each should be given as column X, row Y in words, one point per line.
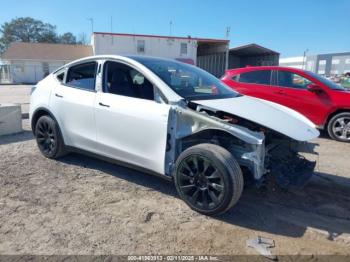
column 79, row 205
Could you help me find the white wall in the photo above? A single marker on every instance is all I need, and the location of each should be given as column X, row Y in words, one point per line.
column 31, row 71
column 295, row 62
column 104, row 44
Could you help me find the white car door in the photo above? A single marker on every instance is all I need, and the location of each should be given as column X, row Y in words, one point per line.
column 131, row 127
column 72, row 103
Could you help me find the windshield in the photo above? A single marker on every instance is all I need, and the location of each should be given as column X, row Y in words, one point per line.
column 327, row 82
column 190, row 82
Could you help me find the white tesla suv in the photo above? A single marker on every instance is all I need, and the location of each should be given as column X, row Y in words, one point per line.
column 172, row 119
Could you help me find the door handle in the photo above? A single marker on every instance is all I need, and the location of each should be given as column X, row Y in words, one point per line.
column 58, row 95
column 279, row 92
column 101, row 104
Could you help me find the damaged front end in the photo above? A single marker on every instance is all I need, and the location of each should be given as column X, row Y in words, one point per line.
column 257, row 149
column 287, row 166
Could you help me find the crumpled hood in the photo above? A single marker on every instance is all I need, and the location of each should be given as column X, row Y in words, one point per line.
column 271, row 115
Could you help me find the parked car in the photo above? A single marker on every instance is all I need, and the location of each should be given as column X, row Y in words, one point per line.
column 172, row 119
column 345, row 81
column 324, row 102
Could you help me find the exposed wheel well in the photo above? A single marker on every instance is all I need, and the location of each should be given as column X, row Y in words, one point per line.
column 220, row 138
column 335, row 113
column 211, row 136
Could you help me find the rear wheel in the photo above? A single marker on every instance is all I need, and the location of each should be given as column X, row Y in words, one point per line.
column 48, row 137
column 208, row 179
column 339, row 127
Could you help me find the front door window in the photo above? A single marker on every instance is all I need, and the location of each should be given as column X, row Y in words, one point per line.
column 292, row 80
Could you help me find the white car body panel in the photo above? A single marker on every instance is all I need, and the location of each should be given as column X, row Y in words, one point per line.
column 74, row 110
column 132, row 130
column 274, row 116
column 41, row 97
column 135, row 130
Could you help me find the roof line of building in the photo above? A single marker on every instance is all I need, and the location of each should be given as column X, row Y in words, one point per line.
column 333, row 54
column 168, row 37
column 36, row 59
column 253, row 45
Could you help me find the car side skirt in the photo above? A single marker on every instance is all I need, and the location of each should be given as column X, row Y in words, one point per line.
column 117, row 162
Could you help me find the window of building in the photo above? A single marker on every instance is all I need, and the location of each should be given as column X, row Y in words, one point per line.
column 335, row 61
column 310, row 65
column 321, row 72
column 19, row 68
column 120, row 79
column 334, row 72
column 290, row 79
column 183, row 49
column 141, row 46
column 322, row 62
column 82, row 76
column 262, row 77
column 347, row 61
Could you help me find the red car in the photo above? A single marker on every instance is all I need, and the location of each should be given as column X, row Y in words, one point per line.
column 325, row 103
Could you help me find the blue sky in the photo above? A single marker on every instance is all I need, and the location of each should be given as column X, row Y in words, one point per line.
column 288, row 27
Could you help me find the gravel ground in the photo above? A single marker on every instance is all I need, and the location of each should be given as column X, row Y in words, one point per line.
column 79, row 205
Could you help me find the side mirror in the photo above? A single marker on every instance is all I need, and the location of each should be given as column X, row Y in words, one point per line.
column 314, row 88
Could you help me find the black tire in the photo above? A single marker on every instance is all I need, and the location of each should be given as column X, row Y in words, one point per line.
column 338, row 127
column 49, row 138
column 198, row 169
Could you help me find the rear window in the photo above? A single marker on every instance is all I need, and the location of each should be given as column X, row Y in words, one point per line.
column 82, row 76
column 262, row 77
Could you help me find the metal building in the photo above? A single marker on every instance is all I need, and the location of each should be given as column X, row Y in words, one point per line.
column 332, row 64
column 252, row 55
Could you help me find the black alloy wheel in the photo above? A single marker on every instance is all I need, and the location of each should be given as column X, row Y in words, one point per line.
column 201, row 182
column 208, row 178
column 48, row 137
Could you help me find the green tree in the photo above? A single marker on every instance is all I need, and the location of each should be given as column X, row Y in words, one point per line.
column 82, row 40
column 68, row 38
column 27, row 29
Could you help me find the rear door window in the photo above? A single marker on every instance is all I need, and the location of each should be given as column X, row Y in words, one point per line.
column 262, row 77
column 82, row 76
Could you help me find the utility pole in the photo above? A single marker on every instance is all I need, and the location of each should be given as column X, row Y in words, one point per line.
column 228, row 30
column 170, row 27
column 92, row 24
column 112, row 37
column 111, row 24
column 304, row 57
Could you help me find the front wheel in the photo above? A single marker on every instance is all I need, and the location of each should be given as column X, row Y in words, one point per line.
column 208, row 179
column 339, row 127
